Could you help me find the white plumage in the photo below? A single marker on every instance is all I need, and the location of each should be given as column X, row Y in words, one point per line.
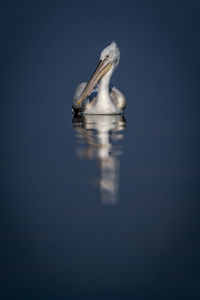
column 98, row 96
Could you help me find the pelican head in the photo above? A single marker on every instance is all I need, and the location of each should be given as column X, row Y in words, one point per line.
column 111, row 54
column 109, row 60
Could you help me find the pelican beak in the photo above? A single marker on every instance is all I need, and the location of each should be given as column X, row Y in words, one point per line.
column 103, row 67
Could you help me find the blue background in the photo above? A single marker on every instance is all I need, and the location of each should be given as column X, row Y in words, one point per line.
column 57, row 240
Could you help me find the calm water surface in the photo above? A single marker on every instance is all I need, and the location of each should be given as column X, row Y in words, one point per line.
column 100, row 207
column 97, row 137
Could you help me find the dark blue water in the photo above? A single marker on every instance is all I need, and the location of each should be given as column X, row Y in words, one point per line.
column 102, row 207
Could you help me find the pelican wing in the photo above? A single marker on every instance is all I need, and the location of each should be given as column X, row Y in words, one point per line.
column 118, row 97
column 78, row 92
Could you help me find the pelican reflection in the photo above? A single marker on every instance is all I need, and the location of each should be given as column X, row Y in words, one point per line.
column 99, row 134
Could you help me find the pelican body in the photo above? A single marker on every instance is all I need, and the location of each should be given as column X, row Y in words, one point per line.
column 97, row 96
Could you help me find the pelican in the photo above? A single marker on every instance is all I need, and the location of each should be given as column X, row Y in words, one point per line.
column 98, row 97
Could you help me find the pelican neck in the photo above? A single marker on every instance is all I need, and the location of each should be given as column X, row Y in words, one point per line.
column 104, row 83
